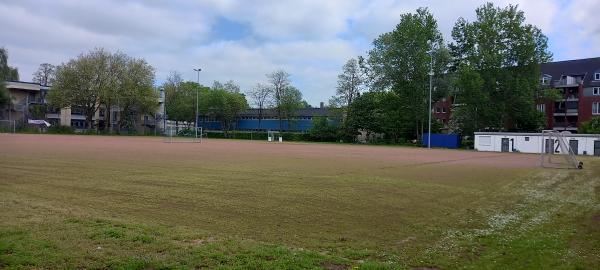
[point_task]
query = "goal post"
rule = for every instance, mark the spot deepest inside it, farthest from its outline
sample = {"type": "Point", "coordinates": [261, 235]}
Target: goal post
{"type": "Point", "coordinates": [555, 152]}
{"type": "Point", "coordinates": [182, 134]}
{"type": "Point", "coordinates": [274, 136]}
{"type": "Point", "coordinates": [8, 126]}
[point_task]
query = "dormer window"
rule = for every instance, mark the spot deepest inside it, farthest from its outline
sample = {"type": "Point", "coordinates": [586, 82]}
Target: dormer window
{"type": "Point", "coordinates": [597, 76]}
{"type": "Point", "coordinates": [546, 79]}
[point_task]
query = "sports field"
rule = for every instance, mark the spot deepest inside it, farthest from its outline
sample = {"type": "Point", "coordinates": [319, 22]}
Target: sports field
{"type": "Point", "coordinates": [139, 203]}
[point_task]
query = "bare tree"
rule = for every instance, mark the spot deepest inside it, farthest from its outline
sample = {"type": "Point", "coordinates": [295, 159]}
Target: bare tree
{"type": "Point", "coordinates": [279, 80]}
{"type": "Point", "coordinates": [260, 97]}
{"type": "Point", "coordinates": [349, 83]}
{"type": "Point", "coordinates": [45, 74]}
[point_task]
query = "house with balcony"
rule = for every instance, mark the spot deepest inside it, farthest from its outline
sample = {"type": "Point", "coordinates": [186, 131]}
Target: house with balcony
{"type": "Point", "coordinates": [578, 82]}
{"type": "Point", "coordinates": [25, 95]}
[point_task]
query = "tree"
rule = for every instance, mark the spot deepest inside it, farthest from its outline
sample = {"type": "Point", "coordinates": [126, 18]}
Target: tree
{"type": "Point", "coordinates": [364, 113]}
{"type": "Point", "coordinates": [322, 130]}
{"type": "Point", "coordinates": [401, 61]}
{"type": "Point", "coordinates": [45, 74]}
{"type": "Point", "coordinates": [280, 81]}
{"type": "Point", "coordinates": [136, 95]}
{"type": "Point", "coordinates": [503, 54]}
{"type": "Point", "coordinates": [290, 102]}
{"type": "Point", "coordinates": [7, 73]}
{"type": "Point", "coordinates": [260, 97]}
{"type": "Point", "coordinates": [224, 106]}
{"type": "Point", "coordinates": [350, 82]}
{"type": "Point", "coordinates": [100, 78]}
{"type": "Point", "coordinates": [590, 127]}
{"type": "Point", "coordinates": [180, 98]}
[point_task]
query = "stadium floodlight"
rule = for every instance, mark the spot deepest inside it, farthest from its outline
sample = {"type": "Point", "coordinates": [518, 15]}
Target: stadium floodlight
{"type": "Point", "coordinates": [197, 90]}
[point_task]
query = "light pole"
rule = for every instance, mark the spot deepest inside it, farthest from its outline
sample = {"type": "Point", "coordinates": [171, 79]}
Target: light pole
{"type": "Point", "coordinates": [197, 90]}
{"type": "Point", "coordinates": [430, 90]}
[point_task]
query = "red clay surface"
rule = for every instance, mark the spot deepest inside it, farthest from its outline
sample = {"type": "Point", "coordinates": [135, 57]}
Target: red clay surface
{"type": "Point", "coordinates": [144, 147]}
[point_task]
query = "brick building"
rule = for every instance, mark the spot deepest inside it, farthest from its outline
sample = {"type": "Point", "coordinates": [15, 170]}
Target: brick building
{"type": "Point", "coordinates": [578, 82]}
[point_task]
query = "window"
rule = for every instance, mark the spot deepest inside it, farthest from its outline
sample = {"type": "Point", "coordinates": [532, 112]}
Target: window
{"type": "Point", "coordinates": [485, 140]}
{"type": "Point", "coordinates": [541, 107]}
{"type": "Point", "coordinates": [545, 80]}
{"type": "Point", "coordinates": [526, 139]}
{"type": "Point", "coordinates": [596, 108]}
{"type": "Point", "coordinates": [597, 76]}
{"type": "Point", "coordinates": [596, 91]}
{"type": "Point", "coordinates": [443, 109]}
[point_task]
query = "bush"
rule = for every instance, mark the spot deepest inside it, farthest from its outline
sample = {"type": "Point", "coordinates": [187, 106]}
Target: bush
{"type": "Point", "coordinates": [323, 131]}
{"type": "Point", "coordinates": [590, 127]}
{"type": "Point", "coordinates": [58, 129]}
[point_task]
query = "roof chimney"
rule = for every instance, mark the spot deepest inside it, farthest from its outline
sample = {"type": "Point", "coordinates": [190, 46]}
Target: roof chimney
{"type": "Point", "coordinates": [322, 105]}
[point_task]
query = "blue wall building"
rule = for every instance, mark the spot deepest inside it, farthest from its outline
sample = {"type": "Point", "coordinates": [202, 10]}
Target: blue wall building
{"type": "Point", "coordinates": [249, 120]}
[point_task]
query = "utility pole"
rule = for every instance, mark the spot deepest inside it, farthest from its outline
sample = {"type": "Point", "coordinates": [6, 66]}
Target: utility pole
{"type": "Point", "coordinates": [197, 90]}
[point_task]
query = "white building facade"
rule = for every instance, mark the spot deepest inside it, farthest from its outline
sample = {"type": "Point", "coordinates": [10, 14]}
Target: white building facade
{"type": "Point", "coordinates": [582, 144]}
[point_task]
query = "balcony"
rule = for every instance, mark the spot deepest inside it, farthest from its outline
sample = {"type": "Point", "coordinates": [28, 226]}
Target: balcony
{"type": "Point", "coordinates": [568, 81]}
{"type": "Point", "coordinates": [565, 126]}
{"type": "Point", "coordinates": [37, 101]}
{"type": "Point", "coordinates": [566, 112]}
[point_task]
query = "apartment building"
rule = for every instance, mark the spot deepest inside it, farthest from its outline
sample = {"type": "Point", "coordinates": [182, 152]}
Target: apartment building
{"type": "Point", "coordinates": [579, 84]}
{"type": "Point", "coordinates": [25, 95]}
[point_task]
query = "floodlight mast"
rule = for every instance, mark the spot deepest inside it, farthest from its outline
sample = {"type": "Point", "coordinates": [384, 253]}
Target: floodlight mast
{"type": "Point", "coordinates": [197, 90]}
{"type": "Point", "coordinates": [431, 51]}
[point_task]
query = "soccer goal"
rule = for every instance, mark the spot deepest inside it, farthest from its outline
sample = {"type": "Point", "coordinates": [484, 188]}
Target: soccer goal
{"type": "Point", "coordinates": [556, 153]}
{"type": "Point", "coordinates": [182, 134]}
{"type": "Point", "coordinates": [8, 126]}
{"type": "Point", "coordinates": [274, 136]}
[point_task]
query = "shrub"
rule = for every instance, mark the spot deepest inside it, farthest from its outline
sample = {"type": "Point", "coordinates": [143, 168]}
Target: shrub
{"type": "Point", "coordinates": [58, 129]}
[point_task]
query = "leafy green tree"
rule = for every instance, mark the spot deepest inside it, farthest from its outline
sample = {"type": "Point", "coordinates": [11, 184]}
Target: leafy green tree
{"type": "Point", "coordinates": [137, 95]}
{"type": "Point", "coordinates": [38, 111]}
{"type": "Point", "coordinates": [180, 99]}
{"type": "Point", "coordinates": [400, 62]}
{"type": "Point", "coordinates": [100, 78]}
{"type": "Point", "coordinates": [322, 130]}
{"type": "Point", "coordinates": [590, 127]}
{"type": "Point", "coordinates": [224, 106]}
{"type": "Point", "coordinates": [503, 54]}
{"type": "Point", "coordinates": [291, 101]}
{"type": "Point", "coordinates": [7, 73]}
{"type": "Point", "coordinates": [365, 113]}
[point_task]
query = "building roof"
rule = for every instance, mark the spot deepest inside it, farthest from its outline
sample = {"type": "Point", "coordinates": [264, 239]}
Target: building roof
{"type": "Point", "coordinates": [533, 134]}
{"type": "Point", "coordinates": [18, 85]}
{"type": "Point", "coordinates": [301, 112]}
{"type": "Point", "coordinates": [579, 67]}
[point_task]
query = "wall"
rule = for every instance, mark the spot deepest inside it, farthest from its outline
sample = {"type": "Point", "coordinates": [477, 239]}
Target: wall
{"type": "Point", "coordinates": [265, 124]}
{"type": "Point", "coordinates": [530, 142]}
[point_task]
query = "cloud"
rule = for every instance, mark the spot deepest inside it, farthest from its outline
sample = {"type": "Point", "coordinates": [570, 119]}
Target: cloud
{"type": "Point", "coordinates": [244, 40]}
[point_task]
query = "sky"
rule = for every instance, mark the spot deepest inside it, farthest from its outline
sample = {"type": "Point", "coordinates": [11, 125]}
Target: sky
{"type": "Point", "coordinates": [245, 40]}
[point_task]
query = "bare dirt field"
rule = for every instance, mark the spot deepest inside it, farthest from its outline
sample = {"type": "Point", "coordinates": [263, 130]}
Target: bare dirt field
{"type": "Point", "coordinates": [138, 203]}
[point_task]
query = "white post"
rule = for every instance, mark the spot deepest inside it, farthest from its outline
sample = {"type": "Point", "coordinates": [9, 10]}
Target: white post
{"type": "Point", "coordinates": [430, 90]}
{"type": "Point", "coordinates": [197, 90]}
